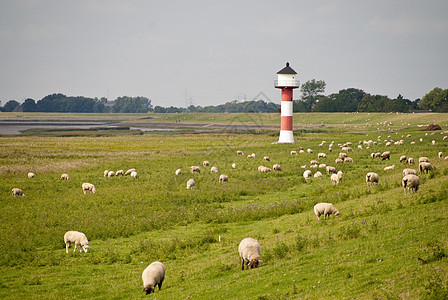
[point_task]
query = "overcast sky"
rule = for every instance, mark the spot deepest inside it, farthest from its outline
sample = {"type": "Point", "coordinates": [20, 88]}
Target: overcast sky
{"type": "Point", "coordinates": [210, 52]}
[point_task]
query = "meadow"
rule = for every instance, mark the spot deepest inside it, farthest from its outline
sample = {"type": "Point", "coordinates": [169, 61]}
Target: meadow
{"type": "Point", "coordinates": [383, 245]}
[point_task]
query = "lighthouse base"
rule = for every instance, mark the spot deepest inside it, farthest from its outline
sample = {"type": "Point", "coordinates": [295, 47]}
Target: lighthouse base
{"type": "Point", "coordinates": [286, 137]}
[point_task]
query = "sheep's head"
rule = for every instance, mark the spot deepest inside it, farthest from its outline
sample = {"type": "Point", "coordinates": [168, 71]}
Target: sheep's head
{"type": "Point", "coordinates": [149, 289]}
{"type": "Point", "coordinates": [86, 248]}
{"type": "Point", "coordinates": [253, 263]}
{"type": "Point", "coordinates": [336, 213]}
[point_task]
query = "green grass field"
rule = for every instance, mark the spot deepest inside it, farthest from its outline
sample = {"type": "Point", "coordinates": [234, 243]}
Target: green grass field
{"type": "Point", "coordinates": [384, 245]}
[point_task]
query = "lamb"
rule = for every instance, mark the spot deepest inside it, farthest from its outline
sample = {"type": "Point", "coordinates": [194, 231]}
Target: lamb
{"type": "Point", "coordinates": [195, 169]}
{"type": "Point", "coordinates": [17, 192]}
{"type": "Point", "coordinates": [239, 152]}
{"type": "Point", "coordinates": [277, 167]}
{"type": "Point", "coordinates": [330, 169]}
{"type": "Point", "coordinates": [134, 174]}
{"type": "Point", "coordinates": [111, 174]}
{"type": "Point", "coordinates": [206, 163]}
{"type": "Point", "coordinates": [128, 172]}
{"type": "Point", "coordinates": [178, 171]}
{"type": "Point", "coordinates": [307, 174]}
{"type": "Point", "coordinates": [77, 238]}
{"type": "Point", "coordinates": [223, 178]}
{"type": "Point", "coordinates": [410, 183]}
{"type": "Point", "coordinates": [249, 250]}
{"type": "Point", "coordinates": [423, 159]}
{"type": "Point", "coordinates": [65, 176]}
{"type": "Point", "coordinates": [325, 209]}
{"type": "Point", "coordinates": [31, 175]}
{"type": "Point", "coordinates": [388, 168]}
{"type": "Point", "coordinates": [153, 276]}
{"type": "Point", "coordinates": [214, 169]}
{"type": "Point", "coordinates": [403, 158]}
{"type": "Point", "coordinates": [88, 187]}
{"type": "Point", "coordinates": [318, 175]}
{"type": "Point", "coordinates": [409, 171]}
{"type": "Point", "coordinates": [267, 158]}
{"type": "Point", "coordinates": [385, 155]}
{"type": "Point", "coordinates": [190, 183]}
{"type": "Point", "coordinates": [425, 167]}
{"type": "Point", "coordinates": [321, 155]}
{"type": "Point", "coordinates": [119, 172]}
{"type": "Point", "coordinates": [372, 179]}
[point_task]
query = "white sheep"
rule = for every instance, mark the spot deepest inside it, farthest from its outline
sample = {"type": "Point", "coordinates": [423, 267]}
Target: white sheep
{"type": "Point", "coordinates": [330, 169]}
{"type": "Point", "coordinates": [111, 174]}
{"type": "Point", "coordinates": [106, 172]}
{"type": "Point", "coordinates": [321, 155]}
{"type": "Point", "coordinates": [31, 175]}
{"type": "Point", "coordinates": [119, 172]}
{"type": "Point", "coordinates": [423, 159]}
{"type": "Point", "coordinates": [348, 160]}
{"type": "Point", "coordinates": [267, 158]}
{"type": "Point", "coordinates": [17, 192]}
{"type": "Point", "coordinates": [190, 183]}
{"type": "Point", "coordinates": [206, 163]}
{"type": "Point", "coordinates": [325, 209]}
{"type": "Point", "coordinates": [88, 187]}
{"type": "Point", "coordinates": [77, 238]}
{"type": "Point", "coordinates": [410, 161]}
{"type": "Point", "coordinates": [403, 158]}
{"type": "Point", "coordinates": [338, 160]}
{"type": "Point", "coordinates": [195, 169]}
{"type": "Point", "coordinates": [134, 174]}
{"type": "Point", "coordinates": [385, 155]}
{"type": "Point", "coordinates": [214, 169]}
{"type": "Point", "coordinates": [409, 171]}
{"type": "Point", "coordinates": [277, 167]}
{"type": "Point", "coordinates": [425, 167]}
{"type": "Point", "coordinates": [314, 162]}
{"type": "Point", "coordinates": [388, 168]}
{"type": "Point", "coordinates": [65, 176]}
{"type": "Point", "coordinates": [251, 155]}
{"type": "Point", "coordinates": [307, 174]}
{"type": "Point", "coordinates": [309, 151]}
{"type": "Point", "coordinates": [336, 178]}
{"type": "Point", "coordinates": [318, 175]}
{"type": "Point", "coordinates": [239, 152]}
{"type": "Point", "coordinates": [264, 169]}
{"type": "Point", "coordinates": [322, 166]}
{"type": "Point", "coordinates": [233, 165]}
{"type": "Point", "coordinates": [249, 251]}
{"type": "Point", "coordinates": [178, 171]}
{"type": "Point", "coordinates": [223, 178]}
{"type": "Point", "coordinates": [293, 152]}
{"type": "Point", "coordinates": [440, 154]}
{"type": "Point", "coordinates": [372, 179]}
{"type": "Point", "coordinates": [410, 183]}
{"type": "Point", "coordinates": [128, 172]}
{"type": "Point", "coordinates": [153, 276]}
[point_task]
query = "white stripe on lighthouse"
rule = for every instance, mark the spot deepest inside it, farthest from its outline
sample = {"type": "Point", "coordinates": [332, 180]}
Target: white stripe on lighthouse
{"type": "Point", "coordinates": [286, 108]}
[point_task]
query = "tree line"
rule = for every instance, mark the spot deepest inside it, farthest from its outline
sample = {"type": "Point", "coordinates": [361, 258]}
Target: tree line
{"type": "Point", "coordinates": [311, 100]}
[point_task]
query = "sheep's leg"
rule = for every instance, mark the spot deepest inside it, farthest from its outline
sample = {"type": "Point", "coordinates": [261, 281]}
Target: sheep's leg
{"type": "Point", "coordinates": [242, 264]}
{"type": "Point", "coordinates": [160, 284]}
{"type": "Point", "coordinates": [75, 248]}
{"type": "Point", "coordinates": [67, 245]}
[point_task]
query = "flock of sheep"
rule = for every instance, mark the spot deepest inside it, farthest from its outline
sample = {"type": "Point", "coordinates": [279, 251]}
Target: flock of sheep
{"type": "Point", "coordinates": [249, 249]}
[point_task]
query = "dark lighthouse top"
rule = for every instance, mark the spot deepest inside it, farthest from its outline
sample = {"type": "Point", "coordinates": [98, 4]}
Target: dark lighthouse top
{"type": "Point", "coordinates": [287, 70]}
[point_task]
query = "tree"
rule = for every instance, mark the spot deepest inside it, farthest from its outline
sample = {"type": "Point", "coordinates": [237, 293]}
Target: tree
{"type": "Point", "coordinates": [132, 105]}
{"type": "Point", "coordinates": [311, 91]}
{"type": "Point", "coordinates": [11, 105]}
{"type": "Point", "coordinates": [436, 100]}
{"type": "Point", "coordinates": [29, 105]}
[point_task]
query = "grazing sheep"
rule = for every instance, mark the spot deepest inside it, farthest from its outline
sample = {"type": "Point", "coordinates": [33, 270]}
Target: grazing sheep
{"type": "Point", "coordinates": [128, 172]}
{"type": "Point", "coordinates": [234, 165]}
{"type": "Point", "coordinates": [266, 158]}
{"type": "Point", "coordinates": [178, 171]}
{"type": "Point", "coordinates": [77, 238]}
{"type": "Point", "coordinates": [325, 209]}
{"type": "Point", "coordinates": [330, 169]}
{"type": "Point", "coordinates": [440, 154]}
{"type": "Point", "coordinates": [372, 179]}
{"type": "Point", "coordinates": [239, 152]}
{"type": "Point", "coordinates": [31, 175]}
{"type": "Point", "coordinates": [385, 155]}
{"type": "Point", "coordinates": [377, 155]}
{"type": "Point", "coordinates": [190, 183]}
{"type": "Point", "coordinates": [433, 142]}
{"type": "Point", "coordinates": [409, 171]}
{"type": "Point", "coordinates": [339, 161]}
{"type": "Point", "coordinates": [88, 187]}
{"type": "Point", "coordinates": [348, 160]}
{"type": "Point", "coordinates": [223, 178]}
{"type": "Point", "coordinates": [410, 161]}
{"type": "Point", "coordinates": [214, 169]}
{"type": "Point", "coordinates": [106, 172]}
{"type": "Point", "coordinates": [389, 168]}
{"type": "Point", "coordinates": [301, 151]}
{"type": "Point", "coordinates": [65, 176]}
{"type": "Point", "coordinates": [314, 162]}
{"type": "Point", "coordinates": [206, 163]}
{"type": "Point", "coordinates": [373, 155]}
{"type": "Point", "coordinates": [195, 169]}
{"type": "Point", "coordinates": [423, 159]}
{"type": "Point", "coordinates": [153, 276]}
{"type": "Point", "coordinates": [347, 149]}
{"type": "Point", "coordinates": [403, 158]}
{"type": "Point", "coordinates": [309, 151]}
{"type": "Point", "coordinates": [119, 172]}
{"type": "Point", "coordinates": [17, 192]}
{"type": "Point", "coordinates": [249, 250]}
{"type": "Point", "coordinates": [410, 183]}
{"type": "Point", "coordinates": [322, 166]}
{"type": "Point", "coordinates": [339, 173]}
{"type": "Point", "coordinates": [111, 174]}
{"type": "Point", "coordinates": [251, 155]}
{"type": "Point", "coordinates": [425, 167]}
{"type": "Point", "coordinates": [307, 174]}
{"type": "Point", "coordinates": [264, 169]}
{"type": "Point", "coordinates": [318, 175]}
{"type": "Point", "coordinates": [293, 152]}
{"type": "Point", "coordinates": [334, 178]}
{"type": "Point", "coordinates": [277, 167]}
{"type": "Point", "coordinates": [321, 155]}
{"type": "Point", "coordinates": [342, 155]}
{"type": "Point", "coordinates": [134, 174]}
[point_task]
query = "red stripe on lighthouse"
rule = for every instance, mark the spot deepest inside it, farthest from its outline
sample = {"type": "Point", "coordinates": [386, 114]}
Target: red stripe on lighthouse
{"type": "Point", "coordinates": [286, 123]}
{"type": "Point", "coordinates": [286, 94]}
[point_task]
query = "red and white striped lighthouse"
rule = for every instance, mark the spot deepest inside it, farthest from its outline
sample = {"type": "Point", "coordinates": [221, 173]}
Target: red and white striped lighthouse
{"type": "Point", "coordinates": [286, 81]}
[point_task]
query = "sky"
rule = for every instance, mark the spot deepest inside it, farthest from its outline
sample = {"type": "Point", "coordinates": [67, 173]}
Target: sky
{"type": "Point", "coordinates": [178, 53]}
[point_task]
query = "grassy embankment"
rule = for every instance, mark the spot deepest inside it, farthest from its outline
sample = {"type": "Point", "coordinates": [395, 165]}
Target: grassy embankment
{"type": "Point", "coordinates": [383, 244]}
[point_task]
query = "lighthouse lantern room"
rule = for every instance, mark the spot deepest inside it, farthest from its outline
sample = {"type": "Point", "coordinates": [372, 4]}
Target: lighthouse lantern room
{"type": "Point", "coordinates": [286, 81]}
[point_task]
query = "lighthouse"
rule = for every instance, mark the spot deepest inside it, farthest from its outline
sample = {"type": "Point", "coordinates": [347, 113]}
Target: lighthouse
{"type": "Point", "coordinates": [286, 81]}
